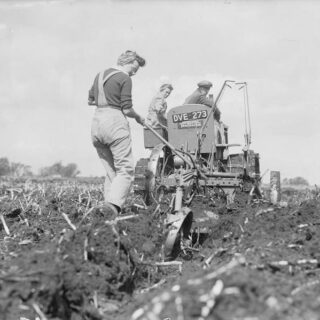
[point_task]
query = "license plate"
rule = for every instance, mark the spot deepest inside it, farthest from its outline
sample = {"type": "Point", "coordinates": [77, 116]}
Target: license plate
{"type": "Point", "coordinates": [190, 124]}
{"type": "Point", "coordinates": [189, 116]}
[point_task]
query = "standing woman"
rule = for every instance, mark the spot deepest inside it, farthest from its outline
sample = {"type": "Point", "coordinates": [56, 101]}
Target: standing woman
{"type": "Point", "coordinates": [157, 110]}
{"type": "Point", "coordinates": [110, 131]}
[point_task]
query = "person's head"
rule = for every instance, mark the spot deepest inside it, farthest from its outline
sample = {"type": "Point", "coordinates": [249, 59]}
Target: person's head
{"type": "Point", "coordinates": [166, 89]}
{"type": "Point", "coordinates": [204, 86]}
{"type": "Point", "coordinates": [130, 62]}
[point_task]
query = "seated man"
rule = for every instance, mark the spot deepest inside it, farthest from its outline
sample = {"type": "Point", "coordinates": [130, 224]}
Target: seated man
{"type": "Point", "coordinates": [199, 96]}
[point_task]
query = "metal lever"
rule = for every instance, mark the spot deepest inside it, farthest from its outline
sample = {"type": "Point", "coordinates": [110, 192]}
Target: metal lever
{"type": "Point", "coordinates": [173, 149]}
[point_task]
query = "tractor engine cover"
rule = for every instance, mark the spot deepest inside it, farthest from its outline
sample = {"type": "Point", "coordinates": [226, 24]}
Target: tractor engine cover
{"type": "Point", "coordinates": [184, 125]}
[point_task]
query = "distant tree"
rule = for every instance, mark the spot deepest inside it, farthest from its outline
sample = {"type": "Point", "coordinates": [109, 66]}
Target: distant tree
{"type": "Point", "coordinates": [43, 172]}
{"type": "Point", "coordinates": [57, 169]}
{"type": "Point", "coordinates": [4, 167]}
{"type": "Point", "coordinates": [70, 170]}
{"type": "Point", "coordinates": [299, 181]}
{"type": "Point", "coordinates": [296, 181]}
{"type": "Point", "coordinates": [18, 169]}
{"type": "Point", "coordinates": [15, 169]}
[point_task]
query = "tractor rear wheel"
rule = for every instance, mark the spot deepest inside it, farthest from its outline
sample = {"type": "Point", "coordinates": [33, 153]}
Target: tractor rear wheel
{"type": "Point", "coordinates": [140, 172]}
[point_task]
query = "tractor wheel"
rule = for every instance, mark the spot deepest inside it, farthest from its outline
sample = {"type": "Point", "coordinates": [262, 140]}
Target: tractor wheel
{"type": "Point", "coordinates": [139, 184]}
{"type": "Point", "coordinates": [158, 167]}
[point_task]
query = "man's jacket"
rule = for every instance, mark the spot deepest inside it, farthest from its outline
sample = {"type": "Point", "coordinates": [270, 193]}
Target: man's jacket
{"type": "Point", "coordinates": [199, 98]}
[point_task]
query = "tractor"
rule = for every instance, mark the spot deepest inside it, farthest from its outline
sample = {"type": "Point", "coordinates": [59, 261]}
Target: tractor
{"type": "Point", "coordinates": [191, 159]}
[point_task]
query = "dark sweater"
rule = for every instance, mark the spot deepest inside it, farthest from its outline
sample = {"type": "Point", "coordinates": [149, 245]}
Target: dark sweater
{"type": "Point", "coordinates": [117, 90]}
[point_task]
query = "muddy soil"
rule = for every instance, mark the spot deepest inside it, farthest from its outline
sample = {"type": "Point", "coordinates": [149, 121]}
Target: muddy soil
{"type": "Point", "coordinates": [63, 258]}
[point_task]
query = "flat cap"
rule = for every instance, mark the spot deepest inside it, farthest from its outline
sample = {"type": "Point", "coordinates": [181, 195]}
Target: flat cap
{"type": "Point", "coordinates": [205, 84]}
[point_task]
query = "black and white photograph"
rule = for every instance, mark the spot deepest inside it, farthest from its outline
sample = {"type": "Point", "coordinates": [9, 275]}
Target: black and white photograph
{"type": "Point", "coordinates": [159, 160]}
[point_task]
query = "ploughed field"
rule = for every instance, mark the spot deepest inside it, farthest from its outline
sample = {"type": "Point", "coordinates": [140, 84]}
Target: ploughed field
{"type": "Point", "coordinates": [60, 258]}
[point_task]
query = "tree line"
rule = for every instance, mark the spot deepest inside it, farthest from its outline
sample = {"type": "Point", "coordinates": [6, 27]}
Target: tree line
{"type": "Point", "coordinates": [16, 169]}
{"type": "Point", "coordinates": [297, 181]}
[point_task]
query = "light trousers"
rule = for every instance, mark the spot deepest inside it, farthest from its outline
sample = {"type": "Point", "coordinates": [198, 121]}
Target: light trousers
{"type": "Point", "coordinates": [110, 133]}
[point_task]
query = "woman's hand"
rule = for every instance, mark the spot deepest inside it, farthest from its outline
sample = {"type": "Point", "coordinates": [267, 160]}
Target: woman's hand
{"type": "Point", "coordinates": [141, 120]}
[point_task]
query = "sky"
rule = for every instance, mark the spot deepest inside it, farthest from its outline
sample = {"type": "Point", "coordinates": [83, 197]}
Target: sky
{"type": "Point", "coordinates": [50, 52]}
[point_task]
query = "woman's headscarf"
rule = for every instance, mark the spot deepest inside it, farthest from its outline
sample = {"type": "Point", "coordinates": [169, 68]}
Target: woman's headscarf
{"type": "Point", "coordinates": [166, 85]}
{"type": "Point", "coordinates": [130, 56]}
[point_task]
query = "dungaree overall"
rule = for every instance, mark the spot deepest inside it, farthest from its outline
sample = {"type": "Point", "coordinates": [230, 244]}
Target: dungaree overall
{"type": "Point", "coordinates": [110, 133]}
